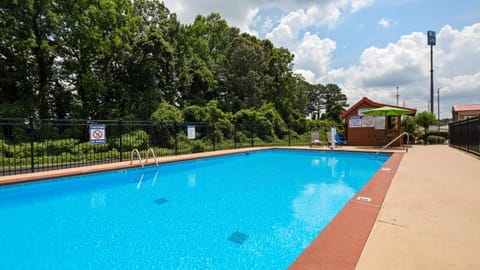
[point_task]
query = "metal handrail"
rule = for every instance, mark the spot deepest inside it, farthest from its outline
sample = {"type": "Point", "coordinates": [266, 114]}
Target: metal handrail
{"type": "Point", "coordinates": [153, 155]}
{"type": "Point", "coordinates": [392, 141]}
{"type": "Point", "coordinates": [138, 155]}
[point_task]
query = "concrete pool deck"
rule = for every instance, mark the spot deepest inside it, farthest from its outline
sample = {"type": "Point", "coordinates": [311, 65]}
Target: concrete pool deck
{"type": "Point", "coordinates": [429, 219]}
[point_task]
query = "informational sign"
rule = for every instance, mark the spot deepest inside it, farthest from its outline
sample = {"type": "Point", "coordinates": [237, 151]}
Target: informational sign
{"type": "Point", "coordinates": [363, 121]}
{"type": "Point", "coordinates": [191, 132]}
{"type": "Point", "coordinates": [97, 134]}
{"type": "Point", "coordinates": [368, 121]}
{"type": "Point", "coordinates": [355, 121]}
{"type": "Point", "coordinates": [431, 38]}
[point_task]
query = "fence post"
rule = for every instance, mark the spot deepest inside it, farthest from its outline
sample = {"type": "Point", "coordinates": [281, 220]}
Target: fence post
{"type": "Point", "coordinates": [467, 139]}
{"type": "Point", "coordinates": [120, 132]}
{"type": "Point", "coordinates": [288, 126]}
{"type": "Point", "coordinates": [214, 138]}
{"type": "Point", "coordinates": [235, 136]}
{"type": "Point", "coordinates": [175, 137]}
{"type": "Point", "coordinates": [251, 138]}
{"type": "Point", "coordinates": [32, 138]}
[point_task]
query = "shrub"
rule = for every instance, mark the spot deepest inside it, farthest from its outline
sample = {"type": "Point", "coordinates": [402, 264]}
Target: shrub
{"type": "Point", "coordinates": [73, 132]}
{"type": "Point", "coordinates": [39, 148]}
{"type": "Point", "coordinates": [133, 139]}
{"type": "Point", "coordinates": [20, 134]}
{"type": "Point", "coordinates": [46, 132]}
{"type": "Point", "coordinates": [432, 139]}
{"type": "Point", "coordinates": [57, 147]}
{"type": "Point", "coordinates": [198, 146]}
{"type": "Point", "coordinates": [443, 134]}
{"type": "Point", "coordinates": [241, 137]}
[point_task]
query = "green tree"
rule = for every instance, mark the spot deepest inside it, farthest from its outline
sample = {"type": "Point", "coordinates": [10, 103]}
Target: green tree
{"type": "Point", "coordinates": [95, 42]}
{"type": "Point", "coordinates": [195, 113]}
{"type": "Point", "coordinates": [425, 119]}
{"type": "Point", "coordinates": [167, 113]}
{"type": "Point", "coordinates": [152, 66]}
{"type": "Point", "coordinates": [335, 102]}
{"type": "Point", "coordinates": [249, 121]}
{"type": "Point", "coordinates": [409, 125]}
{"type": "Point", "coordinates": [27, 53]}
{"type": "Point", "coordinates": [203, 51]}
{"type": "Point", "coordinates": [245, 80]}
{"type": "Point", "coordinates": [315, 103]}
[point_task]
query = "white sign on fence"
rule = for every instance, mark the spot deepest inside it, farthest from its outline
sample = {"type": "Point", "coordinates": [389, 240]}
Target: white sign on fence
{"type": "Point", "coordinates": [97, 134]}
{"type": "Point", "coordinates": [191, 132]}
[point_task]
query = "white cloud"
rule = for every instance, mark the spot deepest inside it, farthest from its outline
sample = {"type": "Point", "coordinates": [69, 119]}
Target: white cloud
{"type": "Point", "coordinates": [356, 5]}
{"type": "Point", "coordinates": [385, 23]}
{"type": "Point", "coordinates": [236, 12]}
{"type": "Point", "coordinates": [314, 54]}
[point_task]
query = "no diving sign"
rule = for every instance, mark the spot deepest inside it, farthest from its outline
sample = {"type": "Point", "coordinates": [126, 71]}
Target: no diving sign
{"type": "Point", "coordinates": [97, 134]}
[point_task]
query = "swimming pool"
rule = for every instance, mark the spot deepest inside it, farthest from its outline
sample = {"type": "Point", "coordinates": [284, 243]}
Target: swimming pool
{"type": "Point", "coordinates": [258, 210]}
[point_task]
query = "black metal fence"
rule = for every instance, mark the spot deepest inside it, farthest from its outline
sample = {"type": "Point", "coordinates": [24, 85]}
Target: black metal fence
{"type": "Point", "coordinates": [31, 145]}
{"type": "Point", "coordinates": [465, 135]}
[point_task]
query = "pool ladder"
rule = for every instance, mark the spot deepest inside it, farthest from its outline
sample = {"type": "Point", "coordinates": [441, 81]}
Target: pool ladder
{"type": "Point", "coordinates": [135, 151]}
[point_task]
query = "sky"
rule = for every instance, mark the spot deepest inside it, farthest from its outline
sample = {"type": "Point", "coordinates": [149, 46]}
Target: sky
{"type": "Point", "coordinates": [370, 48]}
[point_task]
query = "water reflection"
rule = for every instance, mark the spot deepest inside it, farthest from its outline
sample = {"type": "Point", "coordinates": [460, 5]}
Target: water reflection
{"type": "Point", "coordinates": [192, 180]}
{"type": "Point", "coordinates": [318, 203]}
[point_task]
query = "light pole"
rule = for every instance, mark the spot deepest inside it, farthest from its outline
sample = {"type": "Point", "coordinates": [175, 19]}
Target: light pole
{"type": "Point", "coordinates": [397, 95]}
{"type": "Point", "coordinates": [438, 102]}
{"type": "Point", "coordinates": [431, 40]}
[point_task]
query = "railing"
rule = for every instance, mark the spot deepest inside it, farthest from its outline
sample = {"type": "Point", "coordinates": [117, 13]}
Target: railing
{"type": "Point", "coordinates": [153, 155]}
{"type": "Point", "coordinates": [396, 138]}
{"type": "Point", "coordinates": [33, 145]}
{"type": "Point", "coordinates": [465, 135]}
{"type": "Point", "coordinates": [135, 151]}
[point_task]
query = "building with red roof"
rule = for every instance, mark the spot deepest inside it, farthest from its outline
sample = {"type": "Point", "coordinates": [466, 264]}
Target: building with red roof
{"type": "Point", "coordinates": [365, 130]}
{"type": "Point", "coordinates": [460, 112]}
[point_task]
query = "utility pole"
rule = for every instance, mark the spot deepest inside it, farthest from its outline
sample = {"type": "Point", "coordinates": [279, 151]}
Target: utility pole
{"type": "Point", "coordinates": [431, 40]}
{"type": "Point", "coordinates": [397, 95]}
{"type": "Point", "coordinates": [438, 103]}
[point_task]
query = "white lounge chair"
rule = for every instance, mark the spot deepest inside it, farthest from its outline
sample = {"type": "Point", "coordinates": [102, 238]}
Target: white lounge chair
{"type": "Point", "coordinates": [315, 139]}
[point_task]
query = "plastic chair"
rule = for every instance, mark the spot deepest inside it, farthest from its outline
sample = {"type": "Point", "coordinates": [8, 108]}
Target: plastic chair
{"type": "Point", "coordinates": [315, 139]}
{"type": "Point", "coordinates": [339, 140]}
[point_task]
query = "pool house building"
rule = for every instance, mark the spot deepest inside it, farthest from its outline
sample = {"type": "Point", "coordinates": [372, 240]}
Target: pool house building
{"type": "Point", "coordinates": [367, 130]}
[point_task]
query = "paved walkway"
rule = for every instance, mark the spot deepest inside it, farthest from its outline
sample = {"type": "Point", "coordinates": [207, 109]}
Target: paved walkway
{"type": "Point", "coordinates": [430, 218]}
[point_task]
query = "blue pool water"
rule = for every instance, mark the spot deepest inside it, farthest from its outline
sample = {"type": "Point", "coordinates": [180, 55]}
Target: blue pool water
{"type": "Point", "coordinates": [244, 211]}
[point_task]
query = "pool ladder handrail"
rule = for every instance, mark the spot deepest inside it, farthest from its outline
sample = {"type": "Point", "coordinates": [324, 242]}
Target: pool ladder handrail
{"type": "Point", "coordinates": [135, 150]}
{"type": "Point", "coordinates": [153, 155]}
{"type": "Point", "coordinates": [392, 141]}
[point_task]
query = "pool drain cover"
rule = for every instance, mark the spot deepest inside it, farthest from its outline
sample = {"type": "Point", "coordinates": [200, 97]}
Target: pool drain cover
{"type": "Point", "coordinates": [238, 237]}
{"type": "Point", "coordinates": [161, 201]}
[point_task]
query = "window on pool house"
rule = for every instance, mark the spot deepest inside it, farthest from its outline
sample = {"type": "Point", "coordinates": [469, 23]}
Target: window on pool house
{"type": "Point", "coordinates": [392, 122]}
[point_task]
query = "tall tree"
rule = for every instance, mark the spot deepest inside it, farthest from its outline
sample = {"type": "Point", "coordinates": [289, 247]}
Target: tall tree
{"type": "Point", "coordinates": [247, 68]}
{"type": "Point", "coordinates": [27, 49]}
{"type": "Point", "coordinates": [335, 102]}
{"type": "Point", "coordinates": [208, 39]}
{"type": "Point", "coordinates": [316, 102]}
{"type": "Point", "coordinates": [96, 40]}
{"type": "Point", "coordinates": [151, 69]}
